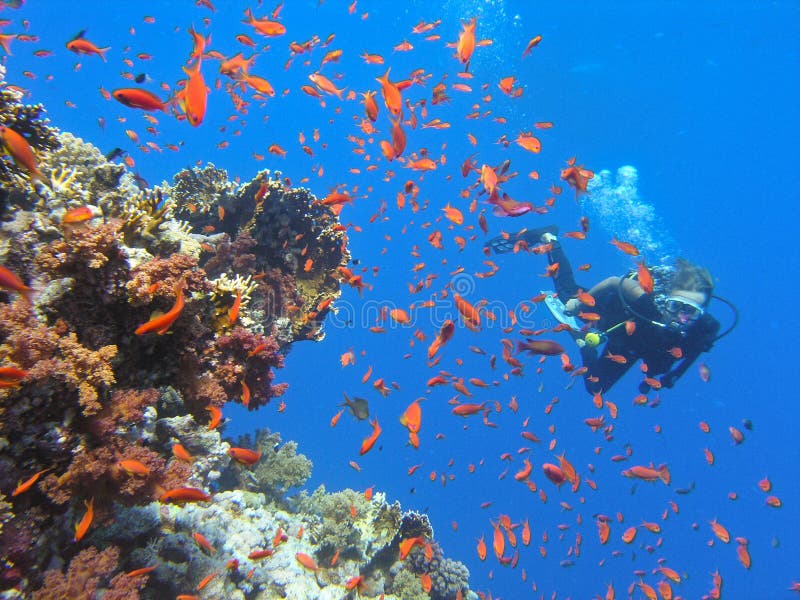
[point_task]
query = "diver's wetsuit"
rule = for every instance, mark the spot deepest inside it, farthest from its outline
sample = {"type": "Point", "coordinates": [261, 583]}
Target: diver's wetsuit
{"type": "Point", "coordinates": [649, 342]}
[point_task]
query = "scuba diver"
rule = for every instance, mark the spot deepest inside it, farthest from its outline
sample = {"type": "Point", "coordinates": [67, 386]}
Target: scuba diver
{"type": "Point", "coordinates": [668, 325]}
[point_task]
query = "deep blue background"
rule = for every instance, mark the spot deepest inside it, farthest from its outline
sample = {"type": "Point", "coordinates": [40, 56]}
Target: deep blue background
{"type": "Point", "coordinates": [701, 99]}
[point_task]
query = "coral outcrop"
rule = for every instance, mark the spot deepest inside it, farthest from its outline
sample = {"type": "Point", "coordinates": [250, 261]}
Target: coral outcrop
{"type": "Point", "coordinates": [147, 313]}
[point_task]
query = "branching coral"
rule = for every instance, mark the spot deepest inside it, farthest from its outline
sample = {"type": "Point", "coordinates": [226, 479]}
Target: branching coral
{"type": "Point", "coordinates": [280, 468]}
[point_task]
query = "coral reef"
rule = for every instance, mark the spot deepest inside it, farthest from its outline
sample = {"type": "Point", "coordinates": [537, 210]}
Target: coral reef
{"type": "Point", "coordinates": [144, 318]}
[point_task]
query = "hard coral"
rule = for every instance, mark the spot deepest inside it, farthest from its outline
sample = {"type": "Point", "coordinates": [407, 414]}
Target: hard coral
{"type": "Point", "coordinates": [280, 468]}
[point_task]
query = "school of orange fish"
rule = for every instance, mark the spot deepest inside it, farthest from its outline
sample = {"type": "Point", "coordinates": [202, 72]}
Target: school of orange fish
{"type": "Point", "coordinates": [386, 123]}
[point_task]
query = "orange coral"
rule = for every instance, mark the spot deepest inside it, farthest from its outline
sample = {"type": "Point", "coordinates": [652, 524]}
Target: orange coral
{"type": "Point", "coordinates": [86, 572]}
{"type": "Point", "coordinates": [163, 274]}
{"type": "Point", "coordinates": [54, 353]}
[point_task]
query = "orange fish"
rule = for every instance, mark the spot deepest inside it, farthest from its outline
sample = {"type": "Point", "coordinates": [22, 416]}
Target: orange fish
{"type": "Point", "coordinates": [24, 486]}
{"type": "Point", "coordinates": [184, 494]}
{"type": "Point", "coordinates": [80, 45]}
{"type": "Point", "coordinates": [10, 281]}
{"type": "Point", "coordinates": [203, 543]}
{"type": "Point", "coordinates": [369, 442]}
{"type": "Point", "coordinates": [245, 456]}
{"type": "Point", "coordinates": [82, 526]}
{"type": "Point", "coordinates": [142, 571]}
{"type": "Point", "coordinates": [370, 107]}
{"type": "Point", "coordinates": [481, 548]}
{"type": "Point", "coordinates": [264, 26]}
{"type": "Point", "coordinates": [139, 98]}
{"type": "Point", "coordinates": [306, 561]}
{"type": "Point", "coordinates": [470, 314]}
{"type": "Point", "coordinates": [466, 42]}
{"type": "Point", "coordinates": [134, 467]}
{"type": "Point", "coordinates": [326, 85]}
{"type": "Point", "coordinates": [577, 177]}
{"type": "Point", "coordinates": [720, 531]}
{"type": "Point", "coordinates": [644, 277]}
{"type": "Point", "coordinates": [233, 311]}
{"type": "Point", "coordinates": [216, 417]}
{"type": "Point", "coordinates": [648, 473]}
{"type": "Point", "coordinates": [193, 98]}
{"type": "Point", "coordinates": [162, 323]}
{"type": "Point", "coordinates": [21, 152]}
{"type": "Point", "coordinates": [77, 215]}
{"type": "Point", "coordinates": [181, 453]}
{"type": "Point", "coordinates": [408, 544]}
{"type": "Point", "coordinates": [391, 95]}
{"type": "Point", "coordinates": [453, 214]}
{"type": "Point", "coordinates": [625, 247]}
{"type": "Point", "coordinates": [412, 417]}
{"type": "Point", "coordinates": [466, 409]}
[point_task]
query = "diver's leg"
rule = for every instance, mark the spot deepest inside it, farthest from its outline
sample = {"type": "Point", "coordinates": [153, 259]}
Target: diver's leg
{"type": "Point", "coordinates": [604, 371]}
{"type": "Point", "coordinates": [563, 278]}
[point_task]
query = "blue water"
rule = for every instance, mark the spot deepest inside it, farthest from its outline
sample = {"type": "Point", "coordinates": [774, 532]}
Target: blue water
{"type": "Point", "coordinates": [700, 99]}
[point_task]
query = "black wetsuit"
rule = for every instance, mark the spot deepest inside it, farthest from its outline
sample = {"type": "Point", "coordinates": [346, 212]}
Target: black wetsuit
{"type": "Point", "coordinates": [649, 342]}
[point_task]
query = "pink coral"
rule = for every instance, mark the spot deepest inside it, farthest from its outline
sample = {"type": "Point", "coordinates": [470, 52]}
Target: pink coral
{"type": "Point", "coordinates": [235, 364]}
{"type": "Point", "coordinates": [162, 274]}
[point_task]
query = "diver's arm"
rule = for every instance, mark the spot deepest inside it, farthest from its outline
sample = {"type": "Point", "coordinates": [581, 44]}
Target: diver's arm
{"type": "Point", "coordinates": [703, 344]}
{"type": "Point", "coordinates": [606, 287]}
{"type": "Point", "coordinates": [600, 292]}
{"type": "Point", "coordinates": [668, 379]}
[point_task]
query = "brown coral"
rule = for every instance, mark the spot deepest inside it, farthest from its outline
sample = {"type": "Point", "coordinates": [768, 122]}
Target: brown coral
{"type": "Point", "coordinates": [86, 572]}
{"type": "Point", "coordinates": [85, 248]}
{"type": "Point", "coordinates": [163, 274]}
{"type": "Point", "coordinates": [54, 353]}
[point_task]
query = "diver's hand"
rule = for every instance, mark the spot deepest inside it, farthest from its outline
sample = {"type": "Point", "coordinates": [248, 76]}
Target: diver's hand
{"type": "Point", "coordinates": [572, 307]}
{"type": "Point", "coordinates": [644, 387]}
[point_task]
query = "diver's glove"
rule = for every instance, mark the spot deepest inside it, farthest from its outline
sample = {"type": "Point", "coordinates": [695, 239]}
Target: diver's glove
{"type": "Point", "coordinates": [644, 387]}
{"type": "Point", "coordinates": [668, 380]}
{"type": "Point", "coordinates": [572, 307]}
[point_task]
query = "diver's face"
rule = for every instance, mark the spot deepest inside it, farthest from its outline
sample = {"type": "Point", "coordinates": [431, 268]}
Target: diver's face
{"type": "Point", "coordinates": [685, 307]}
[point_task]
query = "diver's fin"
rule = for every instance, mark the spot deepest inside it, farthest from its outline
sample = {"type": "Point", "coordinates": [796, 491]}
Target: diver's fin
{"type": "Point", "coordinates": [501, 245]}
{"type": "Point", "coordinates": [556, 308]}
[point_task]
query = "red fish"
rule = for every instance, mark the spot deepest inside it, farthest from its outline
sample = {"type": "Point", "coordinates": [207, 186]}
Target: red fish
{"type": "Point", "coordinates": [264, 26]}
{"type": "Point", "coordinates": [625, 247]}
{"type": "Point", "coordinates": [9, 281]}
{"type": "Point", "coordinates": [21, 152]}
{"type": "Point", "coordinates": [184, 494]}
{"type": "Point", "coordinates": [82, 526]}
{"type": "Point", "coordinates": [369, 442]}
{"type": "Point", "coordinates": [139, 98]}
{"type": "Point", "coordinates": [466, 409]}
{"type": "Point", "coordinates": [391, 95]}
{"type": "Point", "coordinates": [80, 45]}
{"type": "Point", "coordinates": [162, 324]}
{"type": "Point", "coordinates": [245, 456]}
{"type": "Point", "coordinates": [193, 98]}
{"type": "Point", "coordinates": [543, 347]}
{"type": "Point", "coordinates": [466, 42]}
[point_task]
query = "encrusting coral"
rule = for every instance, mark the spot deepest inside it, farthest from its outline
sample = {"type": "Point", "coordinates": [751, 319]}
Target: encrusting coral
{"type": "Point", "coordinates": [145, 319]}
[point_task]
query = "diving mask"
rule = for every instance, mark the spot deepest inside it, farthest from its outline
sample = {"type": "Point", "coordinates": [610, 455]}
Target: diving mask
{"type": "Point", "coordinates": [685, 310]}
